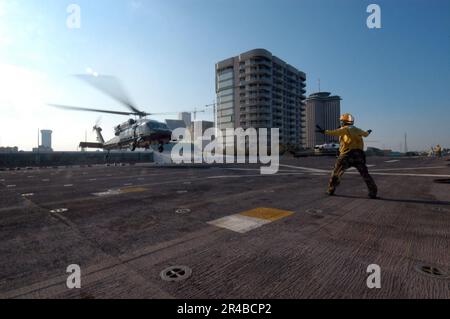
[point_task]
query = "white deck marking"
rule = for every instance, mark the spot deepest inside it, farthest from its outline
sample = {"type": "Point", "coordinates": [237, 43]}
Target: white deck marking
{"type": "Point", "coordinates": [257, 169]}
{"type": "Point", "coordinates": [406, 168]}
{"type": "Point", "coordinates": [110, 192]}
{"type": "Point", "coordinates": [250, 219]}
{"type": "Point", "coordinates": [239, 223]}
{"type": "Point", "coordinates": [406, 174]}
{"type": "Point", "coordinates": [259, 175]}
{"type": "Point", "coordinates": [392, 161]}
{"type": "Point", "coordinates": [377, 170]}
{"type": "Point", "coordinates": [315, 170]}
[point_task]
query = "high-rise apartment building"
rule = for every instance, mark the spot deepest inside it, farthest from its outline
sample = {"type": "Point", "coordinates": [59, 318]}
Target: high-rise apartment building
{"type": "Point", "coordinates": [46, 138]}
{"type": "Point", "coordinates": [46, 142]}
{"type": "Point", "coordinates": [322, 109]}
{"type": "Point", "coordinates": [257, 89]}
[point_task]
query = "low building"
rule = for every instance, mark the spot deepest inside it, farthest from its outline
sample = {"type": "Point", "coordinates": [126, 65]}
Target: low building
{"type": "Point", "coordinates": [42, 149]}
{"type": "Point", "coordinates": [186, 118]}
{"type": "Point", "coordinates": [175, 124]}
{"type": "Point", "coordinates": [8, 149]}
{"type": "Point", "coordinates": [198, 128]}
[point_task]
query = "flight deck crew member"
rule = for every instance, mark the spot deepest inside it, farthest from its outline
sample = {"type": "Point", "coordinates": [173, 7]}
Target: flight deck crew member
{"type": "Point", "coordinates": [351, 154]}
{"type": "Point", "coordinates": [438, 151]}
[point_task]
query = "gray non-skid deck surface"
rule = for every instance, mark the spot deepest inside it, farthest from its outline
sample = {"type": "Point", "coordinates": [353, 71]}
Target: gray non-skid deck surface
{"type": "Point", "coordinates": [122, 242]}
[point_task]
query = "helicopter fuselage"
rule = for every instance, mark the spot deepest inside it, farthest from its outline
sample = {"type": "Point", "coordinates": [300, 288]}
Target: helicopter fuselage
{"type": "Point", "coordinates": [140, 133]}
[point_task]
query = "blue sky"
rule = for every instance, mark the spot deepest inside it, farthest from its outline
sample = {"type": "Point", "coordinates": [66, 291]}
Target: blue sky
{"type": "Point", "coordinates": [394, 80]}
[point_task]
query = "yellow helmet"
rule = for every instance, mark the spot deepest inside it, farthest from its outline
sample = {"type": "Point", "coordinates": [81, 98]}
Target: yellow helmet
{"type": "Point", "coordinates": [347, 119]}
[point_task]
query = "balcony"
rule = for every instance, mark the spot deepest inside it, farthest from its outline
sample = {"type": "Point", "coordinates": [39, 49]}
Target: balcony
{"type": "Point", "coordinates": [253, 63]}
{"type": "Point", "coordinates": [259, 95]}
{"type": "Point", "coordinates": [260, 118]}
{"type": "Point", "coordinates": [259, 104]}
{"type": "Point", "coordinates": [259, 80]}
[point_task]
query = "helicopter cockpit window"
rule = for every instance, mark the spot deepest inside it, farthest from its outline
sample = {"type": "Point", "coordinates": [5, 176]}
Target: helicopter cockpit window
{"type": "Point", "coordinates": [157, 126]}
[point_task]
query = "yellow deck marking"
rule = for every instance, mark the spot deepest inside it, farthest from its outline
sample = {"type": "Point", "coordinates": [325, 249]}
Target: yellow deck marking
{"type": "Point", "coordinates": [133, 190]}
{"type": "Point", "coordinates": [251, 219]}
{"type": "Point", "coordinates": [271, 214]}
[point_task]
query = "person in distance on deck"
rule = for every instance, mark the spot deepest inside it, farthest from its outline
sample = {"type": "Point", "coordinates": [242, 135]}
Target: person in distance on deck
{"type": "Point", "coordinates": [438, 151]}
{"type": "Point", "coordinates": [351, 154]}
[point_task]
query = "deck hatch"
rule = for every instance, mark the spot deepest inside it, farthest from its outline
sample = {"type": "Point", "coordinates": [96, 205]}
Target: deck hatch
{"type": "Point", "coordinates": [432, 271]}
{"type": "Point", "coordinates": [182, 211]}
{"type": "Point", "coordinates": [176, 273]}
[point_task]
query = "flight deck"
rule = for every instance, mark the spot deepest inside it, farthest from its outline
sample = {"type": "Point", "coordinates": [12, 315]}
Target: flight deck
{"type": "Point", "coordinates": [226, 231]}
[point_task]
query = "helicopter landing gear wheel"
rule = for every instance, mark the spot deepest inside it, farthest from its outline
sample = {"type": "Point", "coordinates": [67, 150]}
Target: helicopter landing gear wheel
{"type": "Point", "coordinates": [161, 148]}
{"type": "Point", "coordinates": [136, 143]}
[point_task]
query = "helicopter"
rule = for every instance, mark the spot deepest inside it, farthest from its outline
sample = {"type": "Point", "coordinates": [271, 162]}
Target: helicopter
{"type": "Point", "coordinates": [139, 132]}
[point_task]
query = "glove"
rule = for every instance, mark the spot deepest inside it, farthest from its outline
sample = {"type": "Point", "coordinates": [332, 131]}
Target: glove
{"type": "Point", "coordinates": [320, 130]}
{"type": "Point", "coordinates": [369, 131]}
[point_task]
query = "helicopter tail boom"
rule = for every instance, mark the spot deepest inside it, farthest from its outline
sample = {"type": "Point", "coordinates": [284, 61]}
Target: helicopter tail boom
{"type": "Point", "coordinates": [98, 131]}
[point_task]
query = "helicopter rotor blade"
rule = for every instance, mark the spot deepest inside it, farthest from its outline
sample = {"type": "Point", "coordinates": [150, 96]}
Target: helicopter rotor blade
{"type": "Point", "coordinates": [156, 114]}
{"type": "Point", "coordinates": [112, 87]}
{"type": "Point", "coordinates": [85, 109]}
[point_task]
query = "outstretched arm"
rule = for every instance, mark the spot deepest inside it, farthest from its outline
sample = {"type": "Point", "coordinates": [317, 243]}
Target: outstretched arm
{"type": "Point", "coordinates": [339, 132]}
{"type": "Point", "coordinates": [365, 133]}
{"type": "Point", "coordinates": [320, 130]}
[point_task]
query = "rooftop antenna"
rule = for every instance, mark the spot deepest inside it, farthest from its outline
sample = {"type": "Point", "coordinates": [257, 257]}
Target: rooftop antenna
{"type": "Point", "coordinates": [318, 82]}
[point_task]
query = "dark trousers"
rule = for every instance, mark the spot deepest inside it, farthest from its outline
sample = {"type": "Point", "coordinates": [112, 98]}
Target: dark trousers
{"type": "Point", "coordinates": [357, 159]}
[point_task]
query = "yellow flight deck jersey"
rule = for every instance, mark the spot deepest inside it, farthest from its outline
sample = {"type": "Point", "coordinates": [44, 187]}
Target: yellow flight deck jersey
{"type": "Point", "coordinates": [350, 138]}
